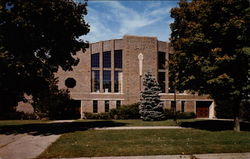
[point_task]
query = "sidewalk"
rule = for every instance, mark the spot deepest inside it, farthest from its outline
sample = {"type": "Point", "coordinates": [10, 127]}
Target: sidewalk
{"type": "Point", "coordinates": [24, 146]}
{"type": "Point", "coordinates": [139, 127]}
{"type": "Point", "coordinates": [195, 156]}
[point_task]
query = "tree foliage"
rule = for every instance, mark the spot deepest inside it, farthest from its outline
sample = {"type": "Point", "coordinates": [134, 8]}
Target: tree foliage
{"type": "Point", "coordinates": [36, 37]}
{"type": "Point", "coordinates": [212, 49]}
{"type": "Point", "coordinates": [151, 108]}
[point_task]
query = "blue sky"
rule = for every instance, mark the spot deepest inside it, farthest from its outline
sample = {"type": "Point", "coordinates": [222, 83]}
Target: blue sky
{"type": "Point", "coordinates": [113, 19]}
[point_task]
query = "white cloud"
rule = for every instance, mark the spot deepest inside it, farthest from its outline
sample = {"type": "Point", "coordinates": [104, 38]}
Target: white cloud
{"type": "Point", "coordinates": [117, 19]}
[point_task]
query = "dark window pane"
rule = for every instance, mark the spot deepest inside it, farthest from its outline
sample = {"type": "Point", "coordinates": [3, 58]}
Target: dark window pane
{"type": "Point", "coordinates": [173, 105]}
{"type": "Point", "coordinates": [118, 58]}
{"type": "Point", "coordinates": [95, 60]}
{"type": "Point", "coordinates": [107, 81]}
{"type": "Point", "coordinates": [95, 81]}
{"type": "Point", "coordinates": [117, 82]}
{"type": "Point", "coordinates": [106, 106]}
{"type": "Point", "coordinates": [162, 81]}
{"type": "Point", "coordinates": [107, 59]}
{"type": "Point", "coordinates": [118, 104]}
{"type": "Point", "coordinates": [95, 106]}
{"type": "Point", "coordinates": [171, 78]}
{"type": "Point", "coordinates": [161, 60]}
{"type": "Point", "coordinates": [182, 106]}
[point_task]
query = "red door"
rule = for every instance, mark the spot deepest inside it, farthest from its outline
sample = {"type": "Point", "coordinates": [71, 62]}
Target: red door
{"type": "Point", "coordinates": [202, 112]}
{"type": "Point", "coordinates": [202, 109]}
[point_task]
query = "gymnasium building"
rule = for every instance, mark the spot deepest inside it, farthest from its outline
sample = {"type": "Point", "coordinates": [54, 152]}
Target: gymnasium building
{"type": "Point", "coordinates": [110, 75]}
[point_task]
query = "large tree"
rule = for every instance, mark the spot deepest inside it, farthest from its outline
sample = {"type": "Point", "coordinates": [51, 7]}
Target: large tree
{"type": "Point", "coordinates": [36, 37]}
{"type": "Point", "coordinates": [212, 49]}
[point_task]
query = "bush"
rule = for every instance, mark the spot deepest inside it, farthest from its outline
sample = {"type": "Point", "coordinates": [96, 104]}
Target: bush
{"type": "Point", "coordinates": [169, 114]}
{"type": "Point", "coordinates": [97, 115]}
{"type": "Point", "coordinates": [245, 110]}
{"type": "Point", "coordinates": [224, 109]}
{"type": "Point", "coordinates": [126, 112]}
{"type": "Point", "coordinates": [18, 116]}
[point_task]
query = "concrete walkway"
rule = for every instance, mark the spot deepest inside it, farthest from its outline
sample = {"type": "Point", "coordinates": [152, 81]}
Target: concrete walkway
{"type": "Point", "coordinates": [195, 156]}
{"type": "Point", "coordinates": [24, 146]}
{"type": "Point", "coordinates": [139, 127]}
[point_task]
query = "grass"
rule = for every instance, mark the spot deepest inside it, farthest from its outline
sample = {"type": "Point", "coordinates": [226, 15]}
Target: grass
{"type": "Point", "coordinates": [21, 122]}
{"type": "Point", "coordinates": [139, 122]}
{"type": "Point", "coordinates": [146, 142]}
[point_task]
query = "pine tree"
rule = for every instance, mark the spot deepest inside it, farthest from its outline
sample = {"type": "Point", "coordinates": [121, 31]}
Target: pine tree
{"type": "Point", "coordinates": [151, 108]}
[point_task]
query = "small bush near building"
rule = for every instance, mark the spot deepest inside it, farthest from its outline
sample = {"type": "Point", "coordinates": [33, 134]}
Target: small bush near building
{"type": "Point", "coordinates": [245, 110]}
{"type": "Point", "coordinates": [224, 109]}
{"type": "Point", "coordinates": [124, 112]}
{"type": "Point", "coordinates": [169, 114]}
{"type": "Point", "coordinates": [14, 115]}
{"type": "Point", "coordinates": [97, 115]}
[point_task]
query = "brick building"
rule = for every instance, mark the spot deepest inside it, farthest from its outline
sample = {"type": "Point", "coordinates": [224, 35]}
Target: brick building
{"type": "Point", "coordinates": [110, 74]}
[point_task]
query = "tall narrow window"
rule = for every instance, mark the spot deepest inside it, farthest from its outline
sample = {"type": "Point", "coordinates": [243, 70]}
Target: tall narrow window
{"type": "Point", "coordinates": [118, 104]}
{"type": "Point", "coordinates": [107, 59]}
{"type": "Point", "coordinates": [106, 106]}
{"type": "Point", "coordinates": [118, 58]}
{"type": "Point", "coordinates": [162, 81]}
{"type": "Point", "coordinates": [95, 81]}
{"type": "Point", "coordinates": [171, 78]}
{"type": "Point", "coordinates": [173, 105]}
{"type": "Point", "coordinates": [95, 106]}
{"type": "Point", "coordinates": [107, 81]}
{"type": "Point", "coordinates": [161, 60]}
{"type": "Point", "coordinates": [182, 106]}
{"type": "Point", "coordinates": [95, 62]}
{"type": "Point", "coordinates": [117, 82]}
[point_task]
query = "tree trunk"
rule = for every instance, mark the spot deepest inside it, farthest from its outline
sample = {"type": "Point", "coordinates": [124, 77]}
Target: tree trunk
{"type": "Point", "coordinates": [237, 115]}
{"type": "Point", "coordinates": [236, 124]}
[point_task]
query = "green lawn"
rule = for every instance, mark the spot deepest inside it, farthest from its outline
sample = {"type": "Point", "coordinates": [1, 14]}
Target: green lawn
{"type": "Point", "coordinates": [21, 122]}
{"type": "Point", "coordinates": [147, 142]}
{"type": "Point", "coordinates": [139, 122]}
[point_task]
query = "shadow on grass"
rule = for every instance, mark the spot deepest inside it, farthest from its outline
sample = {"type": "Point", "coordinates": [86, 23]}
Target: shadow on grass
{"type": "Point", "coordinates": [55, 128]}
{"type": "Point", "coordinates": [215, 125]}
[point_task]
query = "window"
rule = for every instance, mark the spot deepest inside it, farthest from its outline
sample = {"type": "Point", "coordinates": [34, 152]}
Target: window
{"type": "Point", "coordinates": [70, 82]}
{"type": "Point", "coordinates": [95, 81]}
{"type": "Point", "coordinates": [161, 80]}
{"type": "Point", "coordinates": [95, 106]}
{"type": "Point", "coordinates": [95, 62]}
{"type": "Point", "coordinates": [117, 82]}
{"type": "Point", "coordinates": [107, 59]}
{"type": "Point", "coordinates": [171, 78]}
{"type": "Point", "coordinates": [118, 58]}
{"type": "Point", "coordinates": [107, 81]}
{"type": "Point", "coordinates": [161, 60]}
{"type": "Point", "coordinates": [173, 104]}
{"type": "Point", "coordinates": [106, 106]}
{"type": "Point", "coordinates": [182, 106]}
{"type": "Point", "coordinates": [118, 104]}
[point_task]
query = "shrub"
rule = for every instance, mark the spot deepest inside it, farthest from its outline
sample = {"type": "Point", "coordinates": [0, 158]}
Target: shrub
{"type": "Point", "coordinates": [245, 110]}
{"type": "Point", "coordinates": [126, 112]}
{"type": "Point", "coordinates": [186, 115]}
{"type": "Point", "coordinates": [169, 114]}
{"type": "Point", "coordinates": [105, 115]}
{"type": "Point", "coordinates": [224, 109]}
{"type": "Point", "coordinates": [18, 116]}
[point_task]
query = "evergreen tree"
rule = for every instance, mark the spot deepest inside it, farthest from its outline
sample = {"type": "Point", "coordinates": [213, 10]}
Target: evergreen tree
{"type": "Point", "coordinates": [150, 106]}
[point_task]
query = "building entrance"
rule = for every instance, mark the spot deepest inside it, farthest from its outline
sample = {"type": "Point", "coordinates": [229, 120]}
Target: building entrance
{"type": "Point", "coordinates": [202, 109]}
